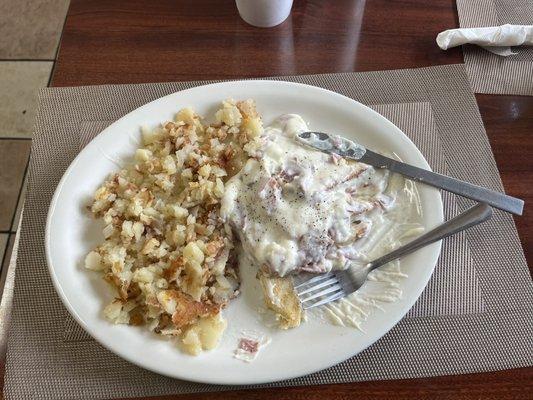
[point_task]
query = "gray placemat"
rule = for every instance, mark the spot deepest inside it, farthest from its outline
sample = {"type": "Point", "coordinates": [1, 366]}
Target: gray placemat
{"type": "Point", "coordinates": [481, 286]}
{"type": "Point", "coordinates": [488, 72]}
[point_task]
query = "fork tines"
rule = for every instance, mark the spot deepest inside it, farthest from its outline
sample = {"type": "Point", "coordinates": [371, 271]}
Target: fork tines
{"type": "Point", "coordinates": [319, 290]}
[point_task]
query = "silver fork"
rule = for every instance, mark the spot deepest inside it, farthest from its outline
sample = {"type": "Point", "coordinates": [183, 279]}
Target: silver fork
{"type": "Point", "coordinates": [334, 285]}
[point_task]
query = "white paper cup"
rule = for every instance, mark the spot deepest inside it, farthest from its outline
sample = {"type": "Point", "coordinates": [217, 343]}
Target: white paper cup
{"type": "Point", "coordinates": [264, 13]}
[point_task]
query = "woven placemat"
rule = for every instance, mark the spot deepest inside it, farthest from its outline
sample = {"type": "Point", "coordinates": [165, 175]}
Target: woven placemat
{"type": "Point", "coordinates": [480, 288]}
{"type": "Point", "coordinates": [489, 73]}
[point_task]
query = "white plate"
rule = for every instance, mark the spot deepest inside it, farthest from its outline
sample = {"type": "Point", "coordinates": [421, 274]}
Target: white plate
{"type": "Point", "coordinates": [71, 233]}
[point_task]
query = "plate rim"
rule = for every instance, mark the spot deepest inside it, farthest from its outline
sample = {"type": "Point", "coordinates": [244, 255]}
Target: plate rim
{"type": "Point", "coordinates": [241, 380]}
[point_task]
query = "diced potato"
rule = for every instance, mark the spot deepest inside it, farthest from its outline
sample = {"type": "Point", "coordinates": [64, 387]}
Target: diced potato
{"type": "Point", "coordinates": [211, 330]}
{"type": "Point", "coordinates": [108, 231]}
{"type": "Point", "coordinates": [192, 252]}
{"type": "Point", "coordinates": [114, 312]}
{"type": "Point", "coordinates": [229, 114]}
{"type": "Point", "coordinates": [138, 229]}
{"type": "Point", "coordinates": [201, 245]}
{"type": "Point", "coordinates": [218, 172]}
{"type": "Point", "coordinates": [115, 257]}
{"type": "Point", "coordinates": [186, 115]}
{"type": "Point", "coordinates": [193, 283]}
{"type": "Point", "coordinates": [150, 136]}
{"type": "Point", "coordinates": [143, 275]}
{"type": "Point", "coordinates": [191, 342]}
{"type": "Point", "coordinates": [177, 211]}
{"type": "Point", "coordinates": [223, 282]}
{"type": "Point", "coordinates": [204, 335]}
{"type": "Point", "coordinates": [150, 246]}
{"type": "Point", "coordinates": [143, 155]}
{"type": "Point", "coordinates": [93, 261]}
{"type": "Point", "coordinates": [204, 170]}
{"type": "Point", "coordinates": [247, 108]}
{"type": "Point", "coordinates": [164, 182]}
{"type": "Point", "coordinates": [219, 188]}
{"type": "Point", "coordinates": [169, 165]}
{"type": "Point", "coordinates": [253, 126]}
{"type": "Point", "coordinates": [186, 173]}
{"type": "Point", "coordinates": [168, 301]}
{"type": "Point", "coordinates": [135, 208]}
{"type": "Point", "coordinates": [161, 283]}
{"type": "Point", "coordinates": [178, 236]}
{"type": "Point", "coordinates": [127, 229]}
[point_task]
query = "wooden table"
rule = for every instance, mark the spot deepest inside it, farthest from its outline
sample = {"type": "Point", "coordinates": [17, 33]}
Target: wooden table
{"type": "Point", "coordinates": [130, 41]}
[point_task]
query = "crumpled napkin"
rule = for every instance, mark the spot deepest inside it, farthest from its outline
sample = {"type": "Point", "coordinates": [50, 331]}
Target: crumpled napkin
{"type": "Point", "coordinates": [496, 39]}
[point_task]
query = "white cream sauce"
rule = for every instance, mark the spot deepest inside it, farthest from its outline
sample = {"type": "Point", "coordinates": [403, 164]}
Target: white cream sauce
{"type": "Point", "coordinates": [298, 209]}
{"type": "Point", "coordinates": [301, 210]}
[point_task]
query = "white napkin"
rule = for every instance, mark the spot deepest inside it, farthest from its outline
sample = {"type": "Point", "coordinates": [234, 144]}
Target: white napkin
{"type": "Point", "coordinates": [496, 39]}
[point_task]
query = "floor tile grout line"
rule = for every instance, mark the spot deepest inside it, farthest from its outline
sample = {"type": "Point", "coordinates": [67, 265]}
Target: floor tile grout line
{"type": "Point", "coordinates": [58, 46]}
{"type": "Point", "coordinates": [2, 265]}
{"type": "Point", "coordinates": [25, 60]}
{"type": "Point", "coordinates": [4, 255]}
{"type": "Point", "coordinates": [62, 31]}
{"type": "Point", "coordinates": [51, 75]}
{"type": "Point", "coordinates": [20, 193]}
{"type": "Point", "coordinates": [4, 258]}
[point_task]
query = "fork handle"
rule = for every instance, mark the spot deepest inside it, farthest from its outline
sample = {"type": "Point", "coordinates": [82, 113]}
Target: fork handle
{"type": "Point", "coordinates": [471, 217]}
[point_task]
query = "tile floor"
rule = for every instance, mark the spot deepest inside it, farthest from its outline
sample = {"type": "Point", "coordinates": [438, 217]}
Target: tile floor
{"type": "Point", "coordinates": [30, 32]}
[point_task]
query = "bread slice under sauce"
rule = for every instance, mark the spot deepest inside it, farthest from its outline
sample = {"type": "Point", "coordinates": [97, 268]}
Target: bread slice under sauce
{"type": "Point", "coordinates": [281, 298]}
